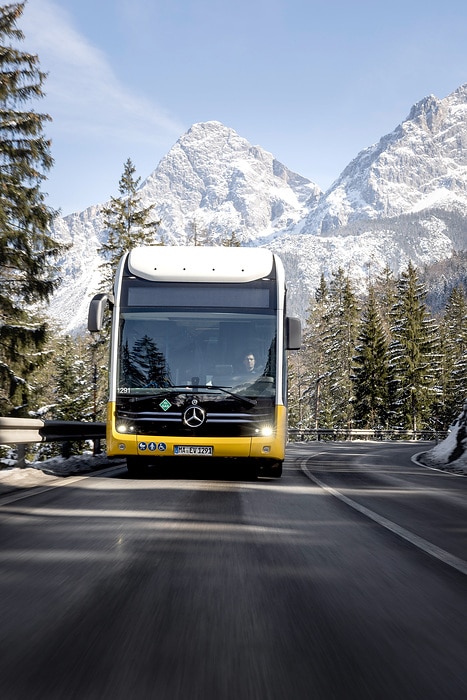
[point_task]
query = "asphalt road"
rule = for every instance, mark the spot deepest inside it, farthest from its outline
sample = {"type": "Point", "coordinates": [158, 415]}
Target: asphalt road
{"type": "Point", "coordinates": [199, 586]}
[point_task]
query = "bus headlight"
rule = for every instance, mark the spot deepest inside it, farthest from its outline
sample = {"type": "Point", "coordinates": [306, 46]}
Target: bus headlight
{"type": "Point", "coordinates": [125, 428]}
{"type": "Point", "coordinates": [267, 431]}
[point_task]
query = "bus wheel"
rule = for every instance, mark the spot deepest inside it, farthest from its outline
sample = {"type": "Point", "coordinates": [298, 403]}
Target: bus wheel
{"type": "Point", "coordinates": [271, 470]}
{"type": "Point", "coordinates": [137, 468]}
{"type": "Point", "coordinates": [249, 470]}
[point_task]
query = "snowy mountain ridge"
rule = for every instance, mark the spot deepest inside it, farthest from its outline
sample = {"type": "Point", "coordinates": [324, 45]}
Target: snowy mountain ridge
{"type": "Point", "coordinates": [421, 164]}
{"type": "Point", "coordinates": [404, 198]}
{"type": "Point", "coordinates": [217, 181]}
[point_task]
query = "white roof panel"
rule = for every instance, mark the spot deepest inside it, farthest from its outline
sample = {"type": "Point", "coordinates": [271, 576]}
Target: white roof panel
{"type": "Point", "coordinates": [200, 263]}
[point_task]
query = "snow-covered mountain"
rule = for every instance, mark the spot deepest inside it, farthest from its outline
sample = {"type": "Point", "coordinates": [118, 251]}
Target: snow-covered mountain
{"type": "Point", "coordinates": [216, 181]}
{"type": "Point", "coordinates": [403, 198]}
{"type": "Point", "coordinates": [422, 164]}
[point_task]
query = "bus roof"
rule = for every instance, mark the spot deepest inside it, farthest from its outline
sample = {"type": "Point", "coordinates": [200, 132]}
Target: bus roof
{"type": "Point", "coordinates": [200, 263]}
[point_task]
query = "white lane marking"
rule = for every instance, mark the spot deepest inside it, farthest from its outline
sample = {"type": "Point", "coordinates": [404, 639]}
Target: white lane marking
{"type": "Point", "coordinates": [31, 491]}
{"type": "Point", "coordinates": [411, 537]}
{"type": "Point", "coordinates": [20, 494]}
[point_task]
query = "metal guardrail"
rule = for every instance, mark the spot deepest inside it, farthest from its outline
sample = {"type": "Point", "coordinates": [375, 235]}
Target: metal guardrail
{"type": "Point", "coordinates": [23, 431]}
{"type": "Point", "coordinates": [304, 435]}
{"type": "Point", "coordinates": [16, 431]}
{"type": "Point", "coordinates": [20, 431]}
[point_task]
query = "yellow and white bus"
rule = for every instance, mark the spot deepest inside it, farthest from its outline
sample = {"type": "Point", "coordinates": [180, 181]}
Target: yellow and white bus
{"type": "Point", "coordinates": [198, 357]}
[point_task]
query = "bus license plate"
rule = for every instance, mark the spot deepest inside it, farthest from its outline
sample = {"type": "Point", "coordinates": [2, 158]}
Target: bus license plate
{"type": "Point", "coordinates": [198, 450]}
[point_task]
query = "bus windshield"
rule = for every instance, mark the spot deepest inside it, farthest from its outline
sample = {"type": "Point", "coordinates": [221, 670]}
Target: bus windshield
{"type": "Point", "coordinates": [188, 349]}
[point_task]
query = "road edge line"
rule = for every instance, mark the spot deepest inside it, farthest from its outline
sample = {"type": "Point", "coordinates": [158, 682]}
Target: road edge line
{"type": "Point", "coordinates": [422, 544]}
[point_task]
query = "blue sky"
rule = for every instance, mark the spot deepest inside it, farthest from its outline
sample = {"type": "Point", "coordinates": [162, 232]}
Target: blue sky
{"type": "Point", "coordinates": [311, 81]}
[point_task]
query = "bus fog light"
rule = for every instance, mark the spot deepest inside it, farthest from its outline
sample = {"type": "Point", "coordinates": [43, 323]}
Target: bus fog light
{"type": "Point", "coordinates": [266, 449]}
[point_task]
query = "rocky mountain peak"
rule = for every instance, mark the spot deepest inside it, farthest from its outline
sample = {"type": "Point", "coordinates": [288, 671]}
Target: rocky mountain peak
{"type": "Point", "coordinates": [216, 180]}
{"type": "Point", "coordinates": [428, 113]}
{"type": "Point", "coordinates": [403, 198]}
{"type": "Point", "coordinates": [421, 164]}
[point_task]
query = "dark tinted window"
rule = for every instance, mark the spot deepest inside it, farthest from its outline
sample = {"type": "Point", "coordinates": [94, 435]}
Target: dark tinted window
{"type": "Point", "coordinates": [241, 296]}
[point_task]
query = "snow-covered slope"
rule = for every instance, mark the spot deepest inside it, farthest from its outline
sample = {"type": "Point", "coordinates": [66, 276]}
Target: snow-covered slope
{"type": "Point", "coordinates": [216, 181]}
{"type": "Point", "coordinates": [405, 198]}
{"type": "Point", "coordinates": [422, 164]}
{"type": "Point", "coordinates": [79, 267]}
{"type": "Point", "coordinates": [362, 253]}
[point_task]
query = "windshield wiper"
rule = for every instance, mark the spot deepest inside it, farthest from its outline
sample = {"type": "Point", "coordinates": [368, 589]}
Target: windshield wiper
{"type": "Point", "coordinates": [249, 402]}
{"type": "Point", "coordinates": [190, 388]}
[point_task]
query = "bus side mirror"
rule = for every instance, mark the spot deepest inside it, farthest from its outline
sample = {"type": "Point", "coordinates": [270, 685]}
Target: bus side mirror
{"type": "Point", "coordinates": [96, 311]}
{"type": "Point", "coordinates": [293, 333]}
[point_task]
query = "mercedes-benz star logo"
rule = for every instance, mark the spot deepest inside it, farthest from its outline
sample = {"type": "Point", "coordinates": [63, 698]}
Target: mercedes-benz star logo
{"type": "Point", "coordinates": [194, 416]}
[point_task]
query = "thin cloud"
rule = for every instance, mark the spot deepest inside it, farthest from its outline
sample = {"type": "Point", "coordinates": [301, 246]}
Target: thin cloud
{"type": "Point", "coordinates": [83, 94]}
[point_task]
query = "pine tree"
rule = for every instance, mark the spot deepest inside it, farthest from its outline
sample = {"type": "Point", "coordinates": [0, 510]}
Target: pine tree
{"type": "Point", "coordinates": [325, 361]}
{"type": "Point", "coordinates": [128, 224]}
{"type": "Point", "coordinates": [293, 383]}
{"type": "Point", "coordinates": [231, 241]}
{"type": "Point", "coordinates": [69, 394]}
{"type": "Point", "coordinates": [64, 386]}
{"type": "Point", "coordinates": [198, 236]}
{"type": "Point", "coordinates": [370, 371]}
{"type": "Point", "coordinates": [322, 291]}
{"type": "Point", "coordinates": [414, 353]}
{"type": "Point", "coordinates": [27, 251]}
{"type": "Point", "coordinates": [453, 379]}
{"type": "Point", "coordinates": [73, 385]}
{"type": "Point", "coordinates": [385, 289]}
{"type": "Point", "coordinates": [339, 344]}
{"type": "Point", "coordinates": [148, 364]}
{"type": "Point", "coordinates": [309, 367]}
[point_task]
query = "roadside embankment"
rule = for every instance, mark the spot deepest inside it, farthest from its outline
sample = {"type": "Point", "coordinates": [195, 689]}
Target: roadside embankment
{"type": "Point", "coordinates": [451, 453]}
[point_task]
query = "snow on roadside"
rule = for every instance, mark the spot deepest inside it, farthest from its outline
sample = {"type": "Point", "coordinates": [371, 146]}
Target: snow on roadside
{"type": "Point", "coordinates": [42, 473]}
{"type": "Point", "coordinates": [451, 453]}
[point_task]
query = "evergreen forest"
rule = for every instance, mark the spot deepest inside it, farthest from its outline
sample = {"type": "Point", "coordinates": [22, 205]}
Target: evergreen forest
{"type": "Point", "coordinates": [384, 361]}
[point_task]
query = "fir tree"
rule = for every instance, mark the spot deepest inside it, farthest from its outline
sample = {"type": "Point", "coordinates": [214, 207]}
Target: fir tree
{"type": "Point", "coordinates": [322, 291]}
{"type": "Point", "coordinates": [370, 372]}
{"type": "Point", "coordinates": [72, 382]}
{"type": "Point", "coordinates": [453, 379]}
{"type": "Point", "coordinates": [339, 340]}
{"type": "Point", "coordinates": [70, 396]}
{"type": "Point", "coordinates": [198, 236]}
{"type": "Point", "coordinates": [27, 251]}
{"type": "Point", "coordinates": [414, 353]}
{"type": "Point", "coordinates": [385, 289]}
{"type": "Point", "coordinates": [73, 386]}
{"type": "Point", "coordinates": [128, 224]}
{"type": "Point", "coordinates": [309, 366]}
{"type": "Point", "coordinates": [64, 386]}
{"type": "Point", "coordinates": [325, 383]}
{"type": "Point", "coordinates": [231, 241]}
{"type": "Point", "coordinates": [148, 363]}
